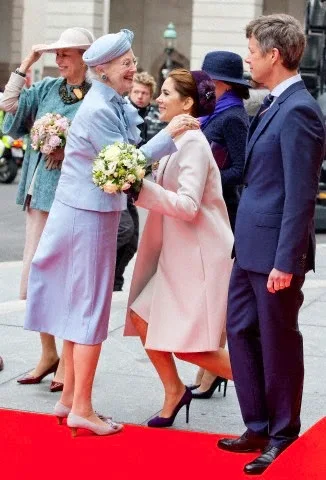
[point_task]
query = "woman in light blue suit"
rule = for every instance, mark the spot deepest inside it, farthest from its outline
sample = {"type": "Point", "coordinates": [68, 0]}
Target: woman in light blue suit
{"type": "Point", "coordinates": [73, 268]}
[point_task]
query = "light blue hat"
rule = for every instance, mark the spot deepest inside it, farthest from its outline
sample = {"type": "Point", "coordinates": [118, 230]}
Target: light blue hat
{"type": "Point", "coordinates": [108, 47]}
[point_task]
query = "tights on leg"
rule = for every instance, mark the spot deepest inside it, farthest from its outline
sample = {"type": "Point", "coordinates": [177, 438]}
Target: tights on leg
{"type": "Point", "coordinates": [35, 223]}
{"type": "Point", "coordinates": [80, 367]}
{"type": "Point", "coordinates": [218, 362]}
{"type": "Point", "coordinates": [204, 377]}
{"type": "Point", "coordinates": [166, 368]}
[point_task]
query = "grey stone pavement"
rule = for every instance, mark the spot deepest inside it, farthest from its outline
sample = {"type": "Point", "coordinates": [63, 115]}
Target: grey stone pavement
{"type": "Point", "coordinates": [126, 384]}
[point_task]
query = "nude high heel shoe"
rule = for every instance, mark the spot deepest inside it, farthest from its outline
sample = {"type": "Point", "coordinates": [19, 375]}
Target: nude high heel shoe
{"type": "Point", "coordinates": [61, 411]}
{"type": "Point", "coordinates": [75, 421]}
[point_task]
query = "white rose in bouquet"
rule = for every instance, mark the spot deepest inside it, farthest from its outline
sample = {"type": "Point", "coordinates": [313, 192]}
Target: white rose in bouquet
{"type": "Point", "coordinates": [111, 153]}
{"type": "Point", "coordinates": [140, 172]}
{"type": "Point", "coordinates": [131, 178]}
{"type": "Point", "coordinates": [111, 168]}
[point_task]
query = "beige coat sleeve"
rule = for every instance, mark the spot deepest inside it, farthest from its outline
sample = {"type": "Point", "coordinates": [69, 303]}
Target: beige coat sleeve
{"type": "Point", "coordinates": [191, 168]}
{"type": "Point", "coordinates": [9, 100]}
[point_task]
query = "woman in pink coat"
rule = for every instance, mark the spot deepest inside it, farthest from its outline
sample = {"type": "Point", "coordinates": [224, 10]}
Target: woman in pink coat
{"type": "Point", "coordinates": [178, 295]}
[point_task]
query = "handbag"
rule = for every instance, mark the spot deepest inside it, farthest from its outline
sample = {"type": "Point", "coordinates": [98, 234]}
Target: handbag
{"type": "Point", "coordinates": [221, 155]}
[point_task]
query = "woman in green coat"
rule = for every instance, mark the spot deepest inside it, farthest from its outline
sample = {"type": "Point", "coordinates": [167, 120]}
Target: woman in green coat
{"type": "Point", "coordinates": [40, 172]}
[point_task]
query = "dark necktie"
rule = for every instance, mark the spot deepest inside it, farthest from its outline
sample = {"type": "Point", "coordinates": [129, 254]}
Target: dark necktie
{"type": "Point", "coordinates": [267, 102]}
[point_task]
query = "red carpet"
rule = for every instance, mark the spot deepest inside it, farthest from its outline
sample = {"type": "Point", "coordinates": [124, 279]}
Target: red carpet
{"type": "Point", "coordinates": [34, 446]}
{"type": "Point", "coordinates": [305, 459]}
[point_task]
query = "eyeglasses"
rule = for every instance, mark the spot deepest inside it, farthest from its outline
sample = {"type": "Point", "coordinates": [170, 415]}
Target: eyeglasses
{"type": "Point", "coordinates": [130, 63]}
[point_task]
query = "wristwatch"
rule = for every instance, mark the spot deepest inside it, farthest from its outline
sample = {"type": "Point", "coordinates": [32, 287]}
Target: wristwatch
{"type": "Point", "coordinates": [20, 73]}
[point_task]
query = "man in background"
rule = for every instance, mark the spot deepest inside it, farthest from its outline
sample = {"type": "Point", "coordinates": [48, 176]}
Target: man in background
{"type": "Point", "coordinates": [141, 96]}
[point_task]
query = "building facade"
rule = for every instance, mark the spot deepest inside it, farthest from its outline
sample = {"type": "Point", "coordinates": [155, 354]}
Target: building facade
{"type": "Point", "coordinates": [201, 25]}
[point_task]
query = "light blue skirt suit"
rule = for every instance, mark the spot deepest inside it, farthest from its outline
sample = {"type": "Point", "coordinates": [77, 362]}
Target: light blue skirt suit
{"type": "Point", "coordinates": [72, 273]}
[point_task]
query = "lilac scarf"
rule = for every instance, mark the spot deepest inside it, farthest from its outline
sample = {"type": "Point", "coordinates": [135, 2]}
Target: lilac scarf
{"type": "Point", "coordinates": [227, 100]}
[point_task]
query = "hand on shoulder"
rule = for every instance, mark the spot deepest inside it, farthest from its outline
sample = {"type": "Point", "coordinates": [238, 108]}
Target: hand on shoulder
{"type": "Point", "coordinates": [181, 123]}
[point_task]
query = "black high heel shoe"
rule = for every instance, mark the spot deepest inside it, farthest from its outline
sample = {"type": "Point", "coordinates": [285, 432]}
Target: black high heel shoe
{"type": "Point", "coordinates": [193, 387]}
{"type": "Point", "coordinates": [208, 393]}
{"type": "Point", "coordinates": [161, 422]}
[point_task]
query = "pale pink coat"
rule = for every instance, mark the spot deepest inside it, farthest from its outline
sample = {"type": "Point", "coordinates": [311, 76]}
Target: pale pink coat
{"type": "Point", "coordinates": [187, 242]}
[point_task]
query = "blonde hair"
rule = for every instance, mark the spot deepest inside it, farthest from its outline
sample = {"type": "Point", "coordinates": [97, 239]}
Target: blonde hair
{"type": "Point", "coordinates": [145, 79]}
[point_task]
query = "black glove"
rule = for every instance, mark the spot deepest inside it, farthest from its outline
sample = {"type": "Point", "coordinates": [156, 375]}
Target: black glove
{"type": "Point", "coordinates": [134, 190]}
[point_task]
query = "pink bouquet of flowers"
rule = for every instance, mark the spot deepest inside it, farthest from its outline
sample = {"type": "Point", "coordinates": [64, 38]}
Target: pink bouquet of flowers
{"type": "Point", "coordinates": [49, 132]}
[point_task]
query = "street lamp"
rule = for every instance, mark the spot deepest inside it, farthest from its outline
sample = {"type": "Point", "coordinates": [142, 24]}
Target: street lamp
{"type": "Point", "coordinates": [169, 36]}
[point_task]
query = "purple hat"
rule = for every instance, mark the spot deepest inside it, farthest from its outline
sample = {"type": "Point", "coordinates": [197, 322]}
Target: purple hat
{"type": "Point", "coordinates": [206, 92]}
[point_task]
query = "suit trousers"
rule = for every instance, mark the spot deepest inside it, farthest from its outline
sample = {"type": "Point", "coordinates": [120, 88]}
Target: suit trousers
{"type": "Point", "coordinates": [127, 242]}
{"type": "Point", "coordinates": [266, 351]}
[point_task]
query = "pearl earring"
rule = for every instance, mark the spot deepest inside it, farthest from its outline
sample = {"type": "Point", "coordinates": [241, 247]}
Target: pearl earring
{"type": "Point", "coordinates": [104, 77]}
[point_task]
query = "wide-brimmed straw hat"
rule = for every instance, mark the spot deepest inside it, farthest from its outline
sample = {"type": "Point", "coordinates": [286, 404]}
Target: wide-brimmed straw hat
{"type": "Point", "coordinates": [75, 37]}
{"type": "Point", "coordinates": [225, 66]}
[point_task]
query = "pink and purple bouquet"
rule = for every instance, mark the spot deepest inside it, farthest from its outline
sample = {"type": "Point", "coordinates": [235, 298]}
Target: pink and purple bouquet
{"type": "Point", "coordinates": [49, 132]}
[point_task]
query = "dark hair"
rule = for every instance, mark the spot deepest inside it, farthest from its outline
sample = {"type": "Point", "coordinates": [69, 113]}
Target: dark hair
{"type": "Point", "coordinates": [240, 90]}
{"type": "Point", "coordinates": [198, 86]}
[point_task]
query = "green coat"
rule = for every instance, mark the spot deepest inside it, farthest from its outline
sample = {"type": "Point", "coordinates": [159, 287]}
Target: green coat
{"type": "Point", "coordinates": [41, 98]}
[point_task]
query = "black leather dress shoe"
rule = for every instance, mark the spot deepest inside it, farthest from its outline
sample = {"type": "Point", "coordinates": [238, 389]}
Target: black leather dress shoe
{"type": "Point", "coordinates": [246, 443]}
{"type": "Point", "coordinates": [1, 364]}
{"type": "Point", "coordinates": [260, 464]}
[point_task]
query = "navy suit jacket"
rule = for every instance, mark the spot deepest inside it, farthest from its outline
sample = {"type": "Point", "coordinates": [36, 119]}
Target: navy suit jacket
{"type": "Point", "coordinates": [275, 219]}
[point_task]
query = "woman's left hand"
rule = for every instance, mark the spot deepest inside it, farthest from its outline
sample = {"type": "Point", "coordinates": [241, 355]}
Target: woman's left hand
{"type": "Point", "coordinates": [54, 160]}
{"type": "Point", "coordinates": [182, 123]}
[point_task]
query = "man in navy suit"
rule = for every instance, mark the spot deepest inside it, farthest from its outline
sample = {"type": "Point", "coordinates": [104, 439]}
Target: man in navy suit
{"type": "Point", "coordinates": [274, 243]}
